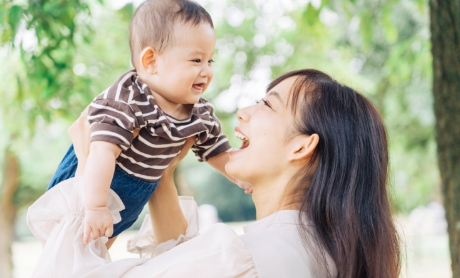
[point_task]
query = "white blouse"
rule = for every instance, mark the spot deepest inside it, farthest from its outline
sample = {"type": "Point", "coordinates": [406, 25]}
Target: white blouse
{"type": "Point", "coordinates": [270, 247]}
{"type": "Point", "coordinates": [277, 249]}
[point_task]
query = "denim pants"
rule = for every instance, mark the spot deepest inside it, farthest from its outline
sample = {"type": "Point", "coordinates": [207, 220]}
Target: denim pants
{"type": "Point", "coordinates": [134, 192]}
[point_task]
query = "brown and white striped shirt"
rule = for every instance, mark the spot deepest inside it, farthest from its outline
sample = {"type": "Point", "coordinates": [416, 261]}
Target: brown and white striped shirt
{"type": "Point", "coordinates": [129, 104]}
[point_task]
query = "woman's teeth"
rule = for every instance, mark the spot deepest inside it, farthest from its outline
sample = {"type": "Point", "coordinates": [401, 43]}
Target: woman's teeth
{"type": "Point", "coordinates": [241, 136]}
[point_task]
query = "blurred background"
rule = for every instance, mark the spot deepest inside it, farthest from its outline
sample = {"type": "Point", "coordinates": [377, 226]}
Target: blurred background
{"type": "Point", "coordinates": [57, 55]}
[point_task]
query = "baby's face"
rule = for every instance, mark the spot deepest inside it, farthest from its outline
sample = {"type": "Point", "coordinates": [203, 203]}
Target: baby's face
{"type": "Point", "coordinates": [184, 70]}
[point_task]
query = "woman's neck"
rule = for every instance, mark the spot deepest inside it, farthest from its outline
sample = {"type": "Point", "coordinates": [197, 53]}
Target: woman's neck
{"type": "Point", "coordinates": [274, 197]}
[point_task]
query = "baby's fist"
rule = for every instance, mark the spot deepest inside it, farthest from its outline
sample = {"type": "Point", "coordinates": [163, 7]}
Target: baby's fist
{"type": "Point", "coordinates": [97, 223]}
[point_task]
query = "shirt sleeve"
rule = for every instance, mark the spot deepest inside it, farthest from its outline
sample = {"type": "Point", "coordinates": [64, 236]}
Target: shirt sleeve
{"type": "Point", "coordinates": [112, 121]}
{"type": "Point", "coordinates": [212, 142]}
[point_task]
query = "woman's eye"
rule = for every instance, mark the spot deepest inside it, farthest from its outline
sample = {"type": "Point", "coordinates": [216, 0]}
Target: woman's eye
{"type": "Point", "coordinates": [266, 103]}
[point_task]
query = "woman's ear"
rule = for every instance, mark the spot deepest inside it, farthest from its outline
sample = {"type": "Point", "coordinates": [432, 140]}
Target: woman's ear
{"type": "Point", "coordinates": [148, 58]}
{"type": "Point", "coordinates": [303, 146]}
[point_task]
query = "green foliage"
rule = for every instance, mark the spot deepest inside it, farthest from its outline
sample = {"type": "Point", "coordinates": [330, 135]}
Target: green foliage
{"type": "Point", "coordinates": [391, 39]}
{"type": "Point", "coordinates": [75, 49]}
{"type": "Point", "coordinates": [43, 55]}
{"type": "Point", "coordinates": [42, 34]}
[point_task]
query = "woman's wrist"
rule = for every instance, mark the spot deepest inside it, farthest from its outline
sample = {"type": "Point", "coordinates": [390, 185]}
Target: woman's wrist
{"type": "Point", "coordinates": [80, 167]}
{"type": "Point", "coordinates": [168, 173]}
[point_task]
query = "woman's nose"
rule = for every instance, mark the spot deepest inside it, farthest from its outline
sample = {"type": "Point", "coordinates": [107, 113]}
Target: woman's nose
{"type": "Point", "coordinates": [243, 115]}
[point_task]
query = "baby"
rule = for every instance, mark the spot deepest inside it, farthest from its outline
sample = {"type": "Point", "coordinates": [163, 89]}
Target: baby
{"type": "Point", "coordinates": [172, 45]}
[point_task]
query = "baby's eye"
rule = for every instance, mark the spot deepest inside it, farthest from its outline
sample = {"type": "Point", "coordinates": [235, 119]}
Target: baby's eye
{"type": "Point", "coordinates": [211, 61]}
{"type": "Point", "coordinates": [197, 61]}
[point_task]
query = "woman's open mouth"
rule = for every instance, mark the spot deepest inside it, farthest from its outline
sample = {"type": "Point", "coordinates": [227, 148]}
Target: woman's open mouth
{"type": "Point", "coordinates": [243, 138]}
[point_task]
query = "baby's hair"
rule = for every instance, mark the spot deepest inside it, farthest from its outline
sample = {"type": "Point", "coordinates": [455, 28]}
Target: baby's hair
{"type": "Point", "coordinates": [154, 21]}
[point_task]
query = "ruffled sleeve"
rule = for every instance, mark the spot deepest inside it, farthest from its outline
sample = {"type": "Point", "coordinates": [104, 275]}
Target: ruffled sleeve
{"type": "Point", "coordinates": [143, 243]}
{"type": "Point", "coordinates": [217, 252]}
{"type": "Point", "coordinates": [56, 219]}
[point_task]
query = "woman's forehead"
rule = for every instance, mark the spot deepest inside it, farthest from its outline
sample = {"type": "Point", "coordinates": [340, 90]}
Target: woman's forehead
{"type": "Point", "coordinates": [282, 90]}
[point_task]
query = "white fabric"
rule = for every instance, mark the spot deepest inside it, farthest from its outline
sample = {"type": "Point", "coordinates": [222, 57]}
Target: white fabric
{"type": "Point", "coordinates": [56, 219]}
{"type": "Point", "coordinates": [277, 249]}
{"type": "Point", "coordinates": [270, 247]}
{"type": "Point", "coordinates": [218, 252]}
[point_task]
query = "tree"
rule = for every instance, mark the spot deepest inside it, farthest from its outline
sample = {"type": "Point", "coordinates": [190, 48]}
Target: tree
{"type": "Point", "coordinates": [445, 40]}
{"type": "Point", "coordinates": [41, 71]}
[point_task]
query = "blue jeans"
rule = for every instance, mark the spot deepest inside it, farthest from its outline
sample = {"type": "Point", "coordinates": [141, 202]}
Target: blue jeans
{"type": "Point", "coordinates": [134, 192]}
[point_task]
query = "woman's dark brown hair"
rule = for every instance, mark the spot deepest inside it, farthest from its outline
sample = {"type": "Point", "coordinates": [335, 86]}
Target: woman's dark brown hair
{"type": "Point", "coordinates": [346, 197]}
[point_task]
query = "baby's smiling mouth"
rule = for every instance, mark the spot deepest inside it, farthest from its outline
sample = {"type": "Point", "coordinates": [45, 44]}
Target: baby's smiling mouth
{"type": "Point", "coordinates": [198, 86]}
{"type": "Point", "coordinates": [243, 137]}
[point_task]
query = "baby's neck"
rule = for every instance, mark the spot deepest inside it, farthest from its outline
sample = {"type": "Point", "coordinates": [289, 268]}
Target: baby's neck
{"type": "Point", "coordinates": [176, 110]}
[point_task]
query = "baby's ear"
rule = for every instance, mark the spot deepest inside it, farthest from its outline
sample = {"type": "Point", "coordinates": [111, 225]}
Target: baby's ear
{"type": "Point", "coordinates": [148, 58]}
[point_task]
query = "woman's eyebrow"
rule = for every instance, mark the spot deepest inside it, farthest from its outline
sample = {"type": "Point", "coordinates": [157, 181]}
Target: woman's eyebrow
{"type": "Point", "coordinates": [276, 94]}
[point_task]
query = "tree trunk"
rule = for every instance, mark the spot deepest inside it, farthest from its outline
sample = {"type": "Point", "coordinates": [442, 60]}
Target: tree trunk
{"type": "Point", "coordinates": [445, 39]}
{"type": "Point", "coordinates": [8, 211]}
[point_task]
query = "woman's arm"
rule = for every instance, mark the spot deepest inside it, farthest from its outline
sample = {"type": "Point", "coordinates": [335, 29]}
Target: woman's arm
{"type": "Point", "coordinates": [80, 134]}
{"type": "Point", "coordinates": [165, 213]}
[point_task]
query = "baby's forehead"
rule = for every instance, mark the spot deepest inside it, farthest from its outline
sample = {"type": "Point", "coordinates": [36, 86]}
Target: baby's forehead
{"type": "Point", "coordinates": [199, 37]}
{"type": "Point", "coordinates": [157, 23]}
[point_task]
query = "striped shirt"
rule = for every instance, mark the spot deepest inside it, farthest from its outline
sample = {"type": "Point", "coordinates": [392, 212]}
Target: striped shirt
{"type": "Point", "coordinates": [129, 104]}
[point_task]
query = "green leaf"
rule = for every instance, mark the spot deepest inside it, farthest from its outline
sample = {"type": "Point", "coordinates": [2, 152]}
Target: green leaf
{"type": "Point", "coordinates": [127, 11]}
{"type": "Point", "coordinates": [5, 36]}
{"type": "Point", "coordinates": [310, 15]}
{"type": "Point", "coordinates": [391, 33]}
{"type": "Point", "coordinates": [15, 18]}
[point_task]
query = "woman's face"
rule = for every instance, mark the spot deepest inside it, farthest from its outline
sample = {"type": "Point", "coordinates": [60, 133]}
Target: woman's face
{"type": "Point", "coordinates": [264, 129]}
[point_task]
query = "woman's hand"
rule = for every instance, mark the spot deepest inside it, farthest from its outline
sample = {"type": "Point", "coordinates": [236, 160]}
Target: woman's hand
{"type": "Point", "coordinates": [244, 185]}
{"type": "Point", "coordinates": [80, 134]}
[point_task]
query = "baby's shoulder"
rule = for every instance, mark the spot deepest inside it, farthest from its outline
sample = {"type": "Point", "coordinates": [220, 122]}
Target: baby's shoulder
{"type": "Point", "coordinates": [129, 89]}
{"type": "Point", "coordinates": [203, 106]}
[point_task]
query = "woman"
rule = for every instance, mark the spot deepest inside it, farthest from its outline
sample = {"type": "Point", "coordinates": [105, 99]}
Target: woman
{"type": "Point", "coordinates": [315, 152]}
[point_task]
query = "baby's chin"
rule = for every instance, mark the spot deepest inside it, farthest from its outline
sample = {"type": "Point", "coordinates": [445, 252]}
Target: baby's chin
{"type": "Point", "coordinates": [193, 100]}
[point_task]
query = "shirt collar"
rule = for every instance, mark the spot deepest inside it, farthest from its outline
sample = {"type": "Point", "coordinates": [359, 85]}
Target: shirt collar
{"type": "Point", "coordinates": [289, 217]}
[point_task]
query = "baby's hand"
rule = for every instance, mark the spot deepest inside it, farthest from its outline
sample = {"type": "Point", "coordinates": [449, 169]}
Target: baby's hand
{"type": "Point", "coordinates": [98, 222]}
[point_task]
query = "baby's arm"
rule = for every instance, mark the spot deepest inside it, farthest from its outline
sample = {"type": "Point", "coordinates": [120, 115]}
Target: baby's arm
{"type": "Point", "coordinates": [98, 175]}
{"type": "Point", "coordinates": [218, 162]}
